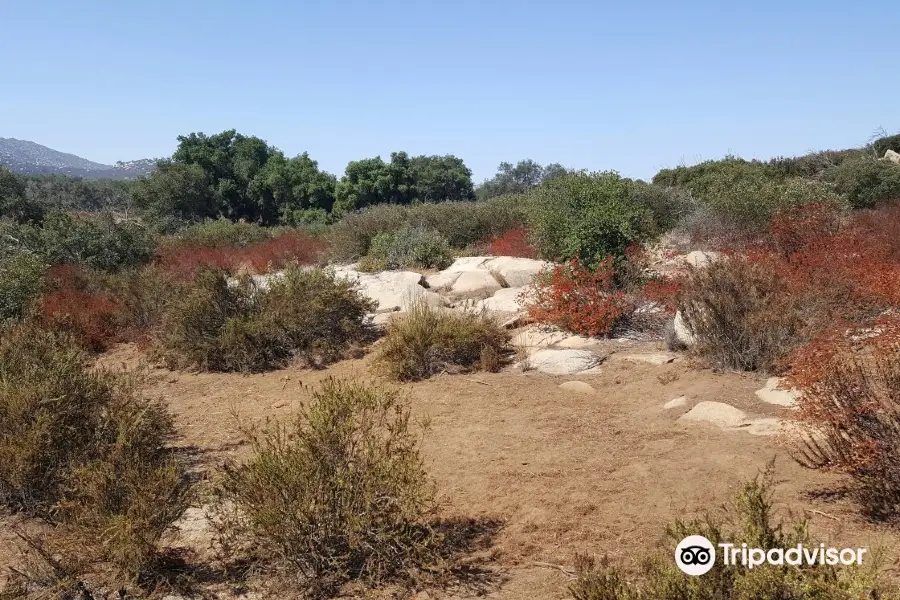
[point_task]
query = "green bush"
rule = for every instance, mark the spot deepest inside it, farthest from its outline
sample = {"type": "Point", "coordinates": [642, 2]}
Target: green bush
{"type": "Point", "coordinates": [407, 248]}
{"type": "Point", "coordinates": [590, 216]}
{"type": "Point", "coordinates": [427, 341]}
{"type": "Point", "coordinates": [889, 142]}
{"type": "Point", "coordinates": [668, 205]}
{"type": "Point", "coordinates": [81, 446]}
{"type": "Point", "coordinates": [240, 326]}
{"type": "Point", "coordinates": [461, 223]}
{"type": "Point", "coordinates": [21, 281]}
{"type": "Point", "coordinates": [339, 493]}
{"type": "Point", "coordinates": [750, 204]}
{"type": "Point", "coordinates": [97, 242]}
{"type": "Point", "coordinates": [866, 182]}
{"type": "Point", "coordinates": [217, 233]}
{"type": "Point", "coordinates": [749, 520]}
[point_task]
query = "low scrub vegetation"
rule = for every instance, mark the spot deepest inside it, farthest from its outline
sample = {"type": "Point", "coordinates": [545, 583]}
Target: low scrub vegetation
{"type": "Point", "coordinates": [579, 299]}
{"type": "Point", "coordinates": [749, 520]}
{"type": "Point", "coordinates": [407, 248]}
{"type": "Point", "coordinates": [83, 449]}
{"type": "Point", "coordinates": [184, 258]}
{"type": "Point", "coordinates": [850, 409]}
{"type": "Point", "coordinates": [587, 216]}
{"type": "Point", "coordinates": [514, 242]}
{"type": "Point", "coordinates": [339, 493]}
{"type": "Point", "coordinates": [239, 325]}
{"type": "Point", "coordinates": [427, 341]}
{"type": "Point", "coordinates": [462, 224]}
{"type": "Point", "coordinates": [21, 282]}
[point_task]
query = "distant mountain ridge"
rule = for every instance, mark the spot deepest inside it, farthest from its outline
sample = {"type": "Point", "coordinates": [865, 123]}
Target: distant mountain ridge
{"type": "Point", "coordinates": [22, 156]}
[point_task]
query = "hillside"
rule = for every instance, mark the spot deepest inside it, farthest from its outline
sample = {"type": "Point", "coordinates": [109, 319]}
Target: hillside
{"type": "Point", "coordinates": [22, 156]}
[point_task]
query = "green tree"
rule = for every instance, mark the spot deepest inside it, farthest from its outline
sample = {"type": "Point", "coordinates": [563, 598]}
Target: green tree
{"type": "Point", "coordinates": [13, 203]}
{"type": "Point", "coordinates": [525, 175]}
{"type": "Point", "coordinates": [295, 188]}
{"type": "Point", "coordinates": [176, 193]}
{"type": "Point", "coordinates": [439, 178]}
{"type": "Point", "coordinates": [403, 180]}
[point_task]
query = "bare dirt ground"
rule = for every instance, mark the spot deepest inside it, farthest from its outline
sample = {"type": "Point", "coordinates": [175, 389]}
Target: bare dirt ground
{"type": "Point", "coordinates": [564, 472]}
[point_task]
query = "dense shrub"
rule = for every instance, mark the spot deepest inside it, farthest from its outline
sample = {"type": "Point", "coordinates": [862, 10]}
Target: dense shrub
{"type": "Point", "coordinates": [578, 298]}
{"type": "Point", "coordinates": [742, 314]}
{"type": "Point", "coordinates": [588, 216]}
{"type": "Point", "coordinates": [668, 205]}
{"type": "Point", "coordinates": [216, 325]}
{"type": "Point", "coordinates": [81, 446]}
{"type": "Point", "coordinates": [752, 203]}
{"type": "Point", "coordinates": [849, 379]}
{"type": "Point", "coordinates": [889, 142]}
{"type": "Point", "coordinates": [93, 319]}
{"type": "Point", "coordinates": [184, 259]}
{"type": "Point", "coordinates": [338, 493]}
{"type": "Point", "coordinates": [407, 248]}
{"type": "Point", "coordinates": [427, 341]}
{"type": "Point", "coordinates": [511, 243]}
{"type": "Point", "coordinates": [866, 182]}
{"type": "Point", "coordinates": [461, 223]}
{"type": "Point", "coordinates": [749, 520]}
{"type": "Point", "coordinates": [21, 281]}
{"type": "Point", "coordinates": [97, 242]}
{"type": "Point", "coordinates": [222, 232]}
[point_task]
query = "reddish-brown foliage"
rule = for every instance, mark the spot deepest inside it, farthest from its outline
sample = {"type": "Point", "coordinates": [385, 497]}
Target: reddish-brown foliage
{"type": "Point", "coordinates": [183, 260]}
{"type": "Point", "coordinates": [578, 299]}
{"type": "Point", "coordinates": [512, 243]}
{"type": "Point", "coordinates": [663, 291]}
{"type": "Point", "coordinates": [93, 318]}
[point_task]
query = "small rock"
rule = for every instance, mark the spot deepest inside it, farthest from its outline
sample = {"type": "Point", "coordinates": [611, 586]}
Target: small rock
{"type": "Point", "coordinates": [659, 358]}
{"type": "Point", "coordinates": [700, 259]}
{"type": "Point", "coordinates": [771, 394]}
{"type": "Point", "coordinates": [675, 403]}
{"type": "Point", "coordinates": [562, 362]}
{"type": "Point", "coordinates": [280, 404]}
{"type": "Point", "coordinates": [764, 426]}
{"type": "Point", "coordinates": [892, 156]}
{"type": "Point", "coordinates": [578, 387]}
{"type": "Point", "coordinates": [716, 413]}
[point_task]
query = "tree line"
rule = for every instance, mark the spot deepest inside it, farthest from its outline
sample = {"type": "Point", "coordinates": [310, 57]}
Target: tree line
{"type": "Point", "coordinates": [230, 175]}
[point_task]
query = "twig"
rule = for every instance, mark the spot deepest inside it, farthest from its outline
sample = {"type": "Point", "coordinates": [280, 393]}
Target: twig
{"type": "Point", "coordinates": [568, 572]}
{"type": "Point", "coordinates": [476, 381]}
{"type": "Point", "coordinates": [824, 514]}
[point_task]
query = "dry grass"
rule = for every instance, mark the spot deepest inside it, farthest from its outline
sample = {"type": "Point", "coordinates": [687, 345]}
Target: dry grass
{"type": "Point", "coordinates": [427, 341]}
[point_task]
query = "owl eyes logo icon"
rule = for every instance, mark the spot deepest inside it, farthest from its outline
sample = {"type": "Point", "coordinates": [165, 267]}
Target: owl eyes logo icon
{"type": "Point", "coordinates": [695, 555]}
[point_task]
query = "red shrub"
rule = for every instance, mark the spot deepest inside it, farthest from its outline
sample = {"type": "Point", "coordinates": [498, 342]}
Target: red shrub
{"type": "Point", "coordinates": [577, 299]}
{"type": "Point", "coordinates": [183, 260]}
{"type": "Point", "coordinates": [663, 291]}
{"type": "Point", "coordinates": [92, 317]}
{"type": "Point", "coordinates": [512, 243]}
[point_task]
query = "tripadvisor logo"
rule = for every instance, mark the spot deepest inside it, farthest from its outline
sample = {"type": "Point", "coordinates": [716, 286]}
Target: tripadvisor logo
{"type": "Point", "coordinates": [696, 555]}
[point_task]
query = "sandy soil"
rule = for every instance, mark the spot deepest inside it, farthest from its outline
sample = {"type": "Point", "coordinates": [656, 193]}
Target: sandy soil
{"type": "Point", "coordinates": [563, 472]}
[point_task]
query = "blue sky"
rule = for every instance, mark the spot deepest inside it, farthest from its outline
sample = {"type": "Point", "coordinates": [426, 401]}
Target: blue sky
{"type": "Point", "coordinates": [629, 86]}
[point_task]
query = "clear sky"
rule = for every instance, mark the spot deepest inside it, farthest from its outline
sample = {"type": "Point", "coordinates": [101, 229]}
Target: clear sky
{"type": "Point", "coordinates": [631, 86]}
